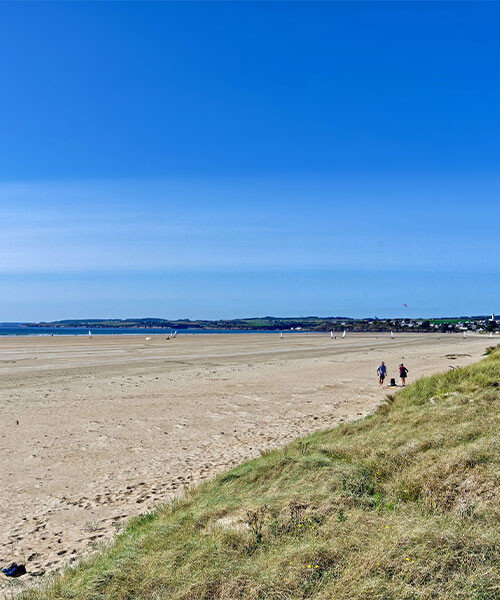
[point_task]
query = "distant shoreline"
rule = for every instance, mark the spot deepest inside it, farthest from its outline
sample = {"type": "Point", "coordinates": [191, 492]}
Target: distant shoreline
{"type": "Point", "coordinates": [70, 331]}
{"type": "Point", "coordinates": [169, 334]}
{"type": "Point", "coordinates": [266, 324]}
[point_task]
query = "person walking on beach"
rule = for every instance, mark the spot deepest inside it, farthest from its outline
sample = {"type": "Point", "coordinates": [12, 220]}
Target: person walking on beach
{"type": "Point", "coordinates": [381, 372]}
{"type": "Point", "coordinates": [403, 372]}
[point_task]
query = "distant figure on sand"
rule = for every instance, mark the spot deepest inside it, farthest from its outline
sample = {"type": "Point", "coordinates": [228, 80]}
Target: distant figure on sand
{"type": "Point", "coordinates": [381, 372]}
{"type": "Point", "coordinates": [403, 372]}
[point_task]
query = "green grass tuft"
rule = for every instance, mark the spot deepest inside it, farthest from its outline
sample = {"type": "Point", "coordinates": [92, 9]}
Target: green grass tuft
{"type": "Point", "coordinates": [402, 505]}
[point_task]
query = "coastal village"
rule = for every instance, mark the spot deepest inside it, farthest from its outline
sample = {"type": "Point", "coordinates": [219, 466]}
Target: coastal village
{"type": "Point", "coordinates": [478, 324]}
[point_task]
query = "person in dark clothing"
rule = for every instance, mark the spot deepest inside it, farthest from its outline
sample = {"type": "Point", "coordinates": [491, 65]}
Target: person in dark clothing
{"type": "Point", "coordinates": [403, 372]}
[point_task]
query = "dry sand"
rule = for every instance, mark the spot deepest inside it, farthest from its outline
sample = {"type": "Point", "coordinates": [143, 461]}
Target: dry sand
{"type": "Point", "coordinates": [94, 430]}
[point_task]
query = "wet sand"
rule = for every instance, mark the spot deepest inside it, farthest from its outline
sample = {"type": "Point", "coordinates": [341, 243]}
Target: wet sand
{"type": "Point", "coordinates": [95, 430]}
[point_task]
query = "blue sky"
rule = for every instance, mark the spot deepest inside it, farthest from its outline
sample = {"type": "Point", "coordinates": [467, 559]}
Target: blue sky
{"type": "Point", "coordinates": [236, 159]}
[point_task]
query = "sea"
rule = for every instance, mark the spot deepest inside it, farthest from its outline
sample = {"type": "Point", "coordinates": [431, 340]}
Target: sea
{"type": "Point", "coordinates": [23, 330]}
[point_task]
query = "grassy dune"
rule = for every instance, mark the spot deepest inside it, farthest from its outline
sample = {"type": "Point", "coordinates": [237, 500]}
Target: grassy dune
{"type": "Point", "coordinates": [404, 504]}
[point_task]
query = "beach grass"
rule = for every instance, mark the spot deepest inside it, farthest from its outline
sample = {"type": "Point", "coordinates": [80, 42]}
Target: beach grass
{"type": "Point", "coordinates": [404, 504]}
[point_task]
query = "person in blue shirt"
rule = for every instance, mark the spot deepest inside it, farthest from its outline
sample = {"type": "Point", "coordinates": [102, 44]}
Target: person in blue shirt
{"type": "Point", "coordinates": [381, 372]}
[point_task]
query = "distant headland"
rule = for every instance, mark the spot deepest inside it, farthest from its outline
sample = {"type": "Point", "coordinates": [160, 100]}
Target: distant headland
{"type": "Point", "coordinates": [479, 323]}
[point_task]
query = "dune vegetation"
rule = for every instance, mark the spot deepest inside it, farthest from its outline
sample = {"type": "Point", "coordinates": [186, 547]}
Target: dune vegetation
{"type": "Point", "coordinates": [404, 504]}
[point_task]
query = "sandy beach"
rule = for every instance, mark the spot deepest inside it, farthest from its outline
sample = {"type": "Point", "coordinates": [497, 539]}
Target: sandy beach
{"type": "Point", "coordinates": [95, 430]}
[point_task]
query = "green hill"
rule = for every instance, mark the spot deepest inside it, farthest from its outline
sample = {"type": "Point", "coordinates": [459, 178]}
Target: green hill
{"type": "Point", "coordinates": [404, 504]}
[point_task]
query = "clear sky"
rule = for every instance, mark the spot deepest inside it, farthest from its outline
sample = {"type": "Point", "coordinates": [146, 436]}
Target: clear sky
{"type": "Point", "coordinates": [221, 159]}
